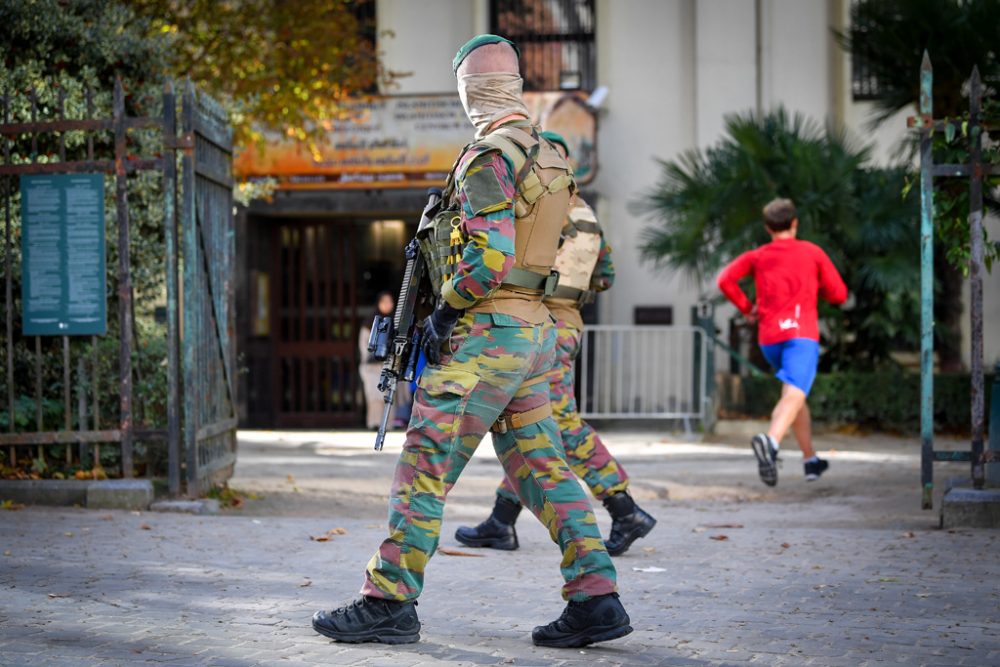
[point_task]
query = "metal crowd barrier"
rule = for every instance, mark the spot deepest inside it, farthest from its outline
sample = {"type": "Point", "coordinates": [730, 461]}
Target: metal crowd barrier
{"type": "Point", "coordinates": [643, 372]}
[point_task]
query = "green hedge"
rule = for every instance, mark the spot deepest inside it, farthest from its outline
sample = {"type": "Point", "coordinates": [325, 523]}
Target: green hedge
{"type": "Point", "coordinates": [884, 401]}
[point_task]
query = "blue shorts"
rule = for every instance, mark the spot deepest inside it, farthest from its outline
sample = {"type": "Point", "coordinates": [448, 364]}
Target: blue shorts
{"type": "Point", "coordinates": [795, 361]}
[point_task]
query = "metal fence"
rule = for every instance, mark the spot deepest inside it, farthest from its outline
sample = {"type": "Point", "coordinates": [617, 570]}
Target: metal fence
{"type": "Point", "coordinates": [644, 372]}
{"type": "Point", "coordinates": [198, 286]}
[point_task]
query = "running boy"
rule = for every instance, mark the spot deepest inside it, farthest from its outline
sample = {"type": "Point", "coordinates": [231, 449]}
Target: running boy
{"type": "Point", "coordinates": [788, 275]}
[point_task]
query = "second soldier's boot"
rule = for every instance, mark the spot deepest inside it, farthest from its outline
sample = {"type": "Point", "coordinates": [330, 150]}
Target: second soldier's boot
{"type": "Point", "coordinates": [497, 532]}
{"type": "Point", "coordinates": [629, 522]}
{"type": "Point", "coordinates": [595, 620]}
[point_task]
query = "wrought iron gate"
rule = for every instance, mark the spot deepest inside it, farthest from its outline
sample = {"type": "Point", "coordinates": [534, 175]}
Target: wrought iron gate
{"type": "Point", "coordinates": [976, 169]}
{"type": "Point", "coordinates": [208, 302]}
{"type": "Point", "coordinates": [200, 434]}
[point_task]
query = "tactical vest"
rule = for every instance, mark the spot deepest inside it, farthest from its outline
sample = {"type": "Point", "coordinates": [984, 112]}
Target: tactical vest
{"type": "Point", "coordinates": [545, 184]}
{"type": "Point", "coordinates": [575, 261]}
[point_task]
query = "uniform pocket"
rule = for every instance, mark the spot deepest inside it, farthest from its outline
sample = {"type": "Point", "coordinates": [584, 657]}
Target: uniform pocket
{"type": "Point", "coordinates": [443, 380]}
{"type": "Point", "coordinates": [447, 391]}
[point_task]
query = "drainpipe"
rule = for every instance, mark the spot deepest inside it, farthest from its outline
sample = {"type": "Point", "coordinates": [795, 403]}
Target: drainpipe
{"type": "Point", "coordinates": [758, 25]}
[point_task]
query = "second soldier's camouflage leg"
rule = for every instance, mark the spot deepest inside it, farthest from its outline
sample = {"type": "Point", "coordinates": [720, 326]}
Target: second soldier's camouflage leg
{"type": "Point", "coordinates": [585, 453]}
{"type": "Point", "coordinates": [531, 456]}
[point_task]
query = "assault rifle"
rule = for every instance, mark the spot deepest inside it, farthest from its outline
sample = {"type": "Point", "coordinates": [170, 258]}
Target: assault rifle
{"type": "Point", "coordinates": [396, 341]}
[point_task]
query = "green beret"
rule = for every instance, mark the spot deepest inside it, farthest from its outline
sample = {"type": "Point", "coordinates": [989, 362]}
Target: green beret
{"type": "Point", "coordinates": [475, 43]}
{"type": "Point", "coordinates": [556, 138]}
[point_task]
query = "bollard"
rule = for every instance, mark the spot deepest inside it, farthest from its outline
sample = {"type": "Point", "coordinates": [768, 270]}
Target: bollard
{"type": "Point", "coordinates": [993, 448]}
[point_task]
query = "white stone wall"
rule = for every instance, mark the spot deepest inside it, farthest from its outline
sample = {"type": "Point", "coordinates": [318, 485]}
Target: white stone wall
{"type": "Point", "coordinates": [420, 37]}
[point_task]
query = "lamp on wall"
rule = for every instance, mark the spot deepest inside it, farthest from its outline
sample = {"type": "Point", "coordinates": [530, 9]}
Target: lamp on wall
{"type": "Point", "coordinates": [597, 98]}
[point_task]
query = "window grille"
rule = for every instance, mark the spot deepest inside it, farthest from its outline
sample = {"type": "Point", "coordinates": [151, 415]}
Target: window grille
{"type": "Point", "coordinates": [864, 78]}
{"type": "Point", "coordinates": [556, 39]}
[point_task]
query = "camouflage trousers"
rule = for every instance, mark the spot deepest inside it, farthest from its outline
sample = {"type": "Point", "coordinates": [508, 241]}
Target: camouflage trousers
{"type": "Point", "coordinates": [497, 364]}
{"type": "Point", "coordinates": [585, 453]}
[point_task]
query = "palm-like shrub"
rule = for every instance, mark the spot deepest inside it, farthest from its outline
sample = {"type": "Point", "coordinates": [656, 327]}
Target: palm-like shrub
{"type": "Point", "coordinates": [705, 210]}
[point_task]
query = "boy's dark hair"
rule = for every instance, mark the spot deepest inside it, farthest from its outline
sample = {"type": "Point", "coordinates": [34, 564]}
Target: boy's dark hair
{"type": "Point", "coordinates": [778, 214]}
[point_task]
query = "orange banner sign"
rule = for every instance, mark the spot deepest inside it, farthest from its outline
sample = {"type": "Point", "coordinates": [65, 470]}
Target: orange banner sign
{"type": "Point", "coordinates": [408, 141]}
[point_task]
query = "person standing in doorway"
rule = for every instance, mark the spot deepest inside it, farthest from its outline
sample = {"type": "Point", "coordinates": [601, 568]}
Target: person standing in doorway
{"type": "Point", "coordinates": [370, 368]}
{"type": "Point", "coordinates": [789, 276]}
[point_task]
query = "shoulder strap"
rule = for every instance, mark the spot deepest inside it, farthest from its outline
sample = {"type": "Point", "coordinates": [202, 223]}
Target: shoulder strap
{"type": "Point", "coordinates": [519, 145]}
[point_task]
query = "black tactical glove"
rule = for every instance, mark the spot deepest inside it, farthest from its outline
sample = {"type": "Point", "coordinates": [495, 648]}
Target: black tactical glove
{"type": "Point", "coordinates": [437, 330]}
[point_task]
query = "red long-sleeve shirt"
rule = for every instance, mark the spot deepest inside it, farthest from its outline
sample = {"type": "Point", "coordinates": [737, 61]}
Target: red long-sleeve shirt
{"type": "Point", "coordinates": [788, 274]}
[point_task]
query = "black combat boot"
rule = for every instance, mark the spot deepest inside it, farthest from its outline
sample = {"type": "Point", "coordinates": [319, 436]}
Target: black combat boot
{"type": "Point", "coordinates": [369, 619]}
{"type": "Point", "coordinates": [595, 620]}
{"type": "Point", "coordinates": [497, 532]}
{"type": "Point", "coordinates": [629, 522]}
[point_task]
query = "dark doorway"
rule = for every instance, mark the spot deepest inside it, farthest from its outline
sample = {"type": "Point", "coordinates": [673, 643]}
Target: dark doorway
{"type": "Point", "coordinates": [314, 302]}
{"type": "Point", "coordinates": [312, 285]}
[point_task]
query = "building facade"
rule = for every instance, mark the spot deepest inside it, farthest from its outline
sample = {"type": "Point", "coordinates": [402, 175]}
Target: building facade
{"type": "Point", "coordinates": [671, 70]}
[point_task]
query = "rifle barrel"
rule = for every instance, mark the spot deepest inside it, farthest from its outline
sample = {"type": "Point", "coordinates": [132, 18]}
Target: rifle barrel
{"type": "Point", "coordinates": [384, 425]}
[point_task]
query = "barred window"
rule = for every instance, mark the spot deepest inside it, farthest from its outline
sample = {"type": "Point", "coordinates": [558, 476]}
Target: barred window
{"type": "Point", "coordinates": [864, 78]}
{"type": "Point", "coordinates": [556, 38]}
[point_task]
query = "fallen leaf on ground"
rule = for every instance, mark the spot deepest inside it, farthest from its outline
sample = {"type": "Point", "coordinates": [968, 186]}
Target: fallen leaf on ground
{"type": "Point", "coordinates": [7, 553]}
{"type": "Point", "coordinates": [456, 552]}
{"type": "Point", "coordinates": [651, 568]}
{"type": "Point", "coordinates": [58, 595]}
{"type": "Point", "coordinates": [909, 533]}
{"type": "Point", "coordinates": [888, 580]}
{"type": "Point", "coordinates": [722, 525]}
{"type": "Point", "coordinates": [11, 505]}
{"type": "Point", "coordinates": [325, 537]}
{"type": "Point", "coordinates": [649, 550]}
{"type": "Point", "coordinates": [719, 538]}
{"type": "Point", "coordinates": [145, 526]}
{"type": "Point", "coordinates": [68, 534]}
{"type": "Point", "coordinates": [290, 479]}
{"type": "Point", "coordinates": [305, 582]}
{"type": "Point", "coordinates": [785, 545]}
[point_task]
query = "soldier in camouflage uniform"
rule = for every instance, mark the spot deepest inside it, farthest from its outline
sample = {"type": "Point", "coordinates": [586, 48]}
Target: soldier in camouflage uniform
{"type": "Point", "coordinates": [585, 267]}
{"type": "Point", "coordinates": [489, 342]}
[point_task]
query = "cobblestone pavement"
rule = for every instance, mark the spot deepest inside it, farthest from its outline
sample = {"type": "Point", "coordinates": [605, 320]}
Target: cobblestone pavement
{"type": "Point", "coordinates": [845, 571]}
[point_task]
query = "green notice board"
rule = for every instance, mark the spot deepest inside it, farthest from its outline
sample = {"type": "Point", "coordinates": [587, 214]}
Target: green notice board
{"type": "Point", "coordinates": [63, 262]}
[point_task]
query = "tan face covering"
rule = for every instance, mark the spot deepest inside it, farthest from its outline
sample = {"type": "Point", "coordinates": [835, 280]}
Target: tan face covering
{"type": "Point", "coordinates": [490, 96]}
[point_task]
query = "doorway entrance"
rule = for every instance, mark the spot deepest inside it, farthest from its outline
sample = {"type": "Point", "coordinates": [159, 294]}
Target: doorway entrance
{"type": "Point", "coordinates": [313, 284]}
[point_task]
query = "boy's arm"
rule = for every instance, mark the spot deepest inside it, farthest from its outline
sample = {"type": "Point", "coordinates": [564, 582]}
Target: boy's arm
{"type": "Point", "coordinates": [831, 285]}
{"type": "Point", "coordinates": [728, 281]}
